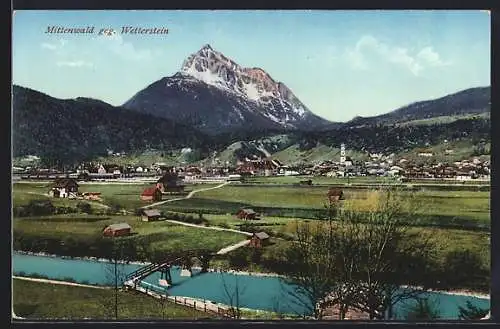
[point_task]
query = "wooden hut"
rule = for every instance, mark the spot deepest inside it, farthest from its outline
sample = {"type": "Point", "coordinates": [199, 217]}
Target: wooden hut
{"type": "Point", "coordinates": [115, 230]}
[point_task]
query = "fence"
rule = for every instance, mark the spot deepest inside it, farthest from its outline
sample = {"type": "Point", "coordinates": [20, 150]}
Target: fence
{"type": "Point", "coordinates": [200, 305]}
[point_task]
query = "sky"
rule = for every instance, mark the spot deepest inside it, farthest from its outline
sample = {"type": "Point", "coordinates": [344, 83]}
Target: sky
{"type": "Point", "coordinates": [340, 64]}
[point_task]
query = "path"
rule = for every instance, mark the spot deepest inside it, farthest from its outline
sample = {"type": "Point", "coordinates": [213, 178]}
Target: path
{"type": "Point", "coordinates": [233, 247]}
{"type": "Point", "coordinates": [215, 228]}
{"type": "Point", "coordinates": [189, 196]}
{"type": "Point", "coordinates": [65, 283]}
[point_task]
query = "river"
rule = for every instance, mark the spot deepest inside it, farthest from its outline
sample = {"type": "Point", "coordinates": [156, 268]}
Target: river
{"type": "Point", "coordinates": [255, 292]}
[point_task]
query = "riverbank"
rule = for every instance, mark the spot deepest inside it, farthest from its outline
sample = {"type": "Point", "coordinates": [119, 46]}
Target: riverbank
{"type": "Point", "coordinates": [35, 300]}
{"type": "Point", "coordinates": [455, 292]}
{"type": "Point", "coordinates": [65, 283]}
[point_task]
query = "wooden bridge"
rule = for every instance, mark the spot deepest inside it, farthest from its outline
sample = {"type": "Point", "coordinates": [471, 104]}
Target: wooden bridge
{"type": "Point", "coordinates": [165, 265]}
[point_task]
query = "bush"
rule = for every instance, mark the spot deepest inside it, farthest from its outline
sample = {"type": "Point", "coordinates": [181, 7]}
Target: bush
{"type": "Point", "coordinates": [84, 207]}
{"type": "Point", "coordinates": [463, 267]}
{"type": "Point", "coordinates": [40, 208]}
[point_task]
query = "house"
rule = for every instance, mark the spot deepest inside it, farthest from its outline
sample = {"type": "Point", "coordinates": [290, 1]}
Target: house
{"type": "Point", "coordinates": [259, 240]}
{"type": "Point", "coordinates": [170, 182]}
{"type": "Point", "coordinates": [335, 194]}
{"type": "Point", "coordinates": [151, 194]}
{"type": "Point", "coordinates": [246, 213]}
{"type": "Point", "coordinates": [149, 215]}
{"type": "Point", "coordinates": [62, 187]}
{"type": "Point", "coordinates": [101, 170]}
{"type": "Point", "coordinates": [114, 230]}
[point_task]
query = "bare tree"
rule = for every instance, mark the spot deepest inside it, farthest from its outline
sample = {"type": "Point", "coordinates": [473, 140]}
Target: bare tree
{"type": "Point", "coordinates": [359, 260]}
{"type": "Point", "coordinates": [115, 274]}
{"type": "Point", "coordinates": [388, 255]}
{"type": "Point", "coordinates": [163, 301]}
{"type": "Point", "coordinates": [233, 295]}
{"type": "Point", "coordinates": [309, 278]}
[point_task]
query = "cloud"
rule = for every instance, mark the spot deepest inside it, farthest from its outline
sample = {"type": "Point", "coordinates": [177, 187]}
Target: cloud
{"type": "Point", "coordinates": [54, 46]}
{"type": "Point", "coordinates": [369, 48]}
{"type": "Point", "coordinates": [126, 49]}
{"type": "Point", "coordinates": [431, 57]}
{"type": "Point", "coordinates": [78, 63]}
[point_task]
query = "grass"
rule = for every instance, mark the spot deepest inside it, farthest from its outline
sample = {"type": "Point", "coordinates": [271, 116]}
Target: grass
{"type": "Point", "coordinates": [36, 300]}
{"type": "Point", "coordinates": [126, 196]}
{"type": "Point", "coordinates": [164, 236]}
{"type": "Point", "coordinates": [446, 239]}
{"type": "Point", "coordinates": [464, 204]}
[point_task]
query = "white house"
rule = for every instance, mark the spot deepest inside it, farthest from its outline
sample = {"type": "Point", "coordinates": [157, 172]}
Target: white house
{"type": "Point", "coordinates": [139, 169]}
{"type": "Point", "coordinates": [101, 170]}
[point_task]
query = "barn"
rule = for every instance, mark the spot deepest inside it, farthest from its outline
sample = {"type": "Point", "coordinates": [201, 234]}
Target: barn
{"type": "Point", "coordinates": [149, 215]}
{"type": "Point", "coordinates": [335, 194]}
{"type": "Point", "coordinates": [62, 187]}
{"type": "Point", "coordinates": [151, 194]}
{"type": "Point", "coordinates": [113, 230]}
{"type": "Point", "coordinates": [259, 240]}
{"type": "Point", "coordinates": [247, 213]}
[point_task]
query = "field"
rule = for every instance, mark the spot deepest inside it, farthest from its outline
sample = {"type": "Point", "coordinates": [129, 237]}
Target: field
{"type": "Point", "coordinates": [162, 236]}
{"type": "Point", "coordinates": [125, 196]}
{"type": "Point", "coordinates": [436, 207]}
{"type": "Point", "coordinates": [36, 300]}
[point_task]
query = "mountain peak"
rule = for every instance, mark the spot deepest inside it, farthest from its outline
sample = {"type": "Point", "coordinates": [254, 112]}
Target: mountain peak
{"type": "Point", "coordinates": [254, 83]}
{"type": "Point", "coordinates": [207, 47]}
{"type": "Point", "coordinates": [216, 92]}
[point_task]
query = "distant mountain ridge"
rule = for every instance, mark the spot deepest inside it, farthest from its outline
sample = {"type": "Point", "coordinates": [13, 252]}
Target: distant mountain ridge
{"type": "Point", "coordinates": [468, 101]}
{"type": "Point", "coordinates": [215, 94]}
{"type": "Point", "coordinates": [82, 128]}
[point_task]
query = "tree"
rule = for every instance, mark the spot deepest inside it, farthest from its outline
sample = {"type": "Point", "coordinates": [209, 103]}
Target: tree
{"type": "Point", "coordinates": [233, 295]}
{"type": "Point", "coordinates": [463, 266]}
{"type": "Point", "coordinates": [310, 269]}
{"type": "Point", "coordinates": [423, 310]}
{"type": "Point", "coordinates": [471, 312]}
{"type": "Point", "coordinates": [360, 259]}
{"type": "Point", "coordinates": [115, 274]}
{"type": "Point", "coordinates": [389, 255]}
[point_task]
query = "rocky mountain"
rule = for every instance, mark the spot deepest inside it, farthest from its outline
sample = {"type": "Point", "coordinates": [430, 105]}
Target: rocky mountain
{"type": "Point", "coordinates": [70, 130]}
{"type": "Point", "coordinates": [215, 94]}
{"type": "Point", "coordinates": [466, 102]}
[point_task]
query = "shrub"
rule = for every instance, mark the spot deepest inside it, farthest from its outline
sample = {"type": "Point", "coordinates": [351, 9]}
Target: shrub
{"type": "Point", "coordinates": [40, 208]}
{"type": "Point", "coordinates": [84, 207]}
{"type": "Point", "coordinates": [224, 225]}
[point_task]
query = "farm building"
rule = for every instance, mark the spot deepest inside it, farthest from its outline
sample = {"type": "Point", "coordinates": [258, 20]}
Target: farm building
{"type": "Point", "coordinates": [170, 182]}
{"type": "Point", "coordinates": [120, 229]}
{"type": "Point", "coordinates": [62, 187]}
{"type": "Point", "coordinates": [335, 194]}
{"type": "Point", "coordinates": [246, 214]}
{"type": "Point", "coordinates": [151, 194]}
{"type": "Point", "coordinates": [149, 215]}
{"type": "Point", "coordinates": [259, 240]}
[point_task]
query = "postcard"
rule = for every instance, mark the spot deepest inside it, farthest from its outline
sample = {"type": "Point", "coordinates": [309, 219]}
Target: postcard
{"type": "Point", "coordinates": [305, 164]}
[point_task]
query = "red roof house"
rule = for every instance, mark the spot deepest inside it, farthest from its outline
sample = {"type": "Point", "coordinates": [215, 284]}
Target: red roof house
{"type": "Point", "coordinates": [151, 194]}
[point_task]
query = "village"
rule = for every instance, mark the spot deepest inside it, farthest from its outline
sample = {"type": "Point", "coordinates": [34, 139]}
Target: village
{"type": "Point", "coordinates": [378, 165]}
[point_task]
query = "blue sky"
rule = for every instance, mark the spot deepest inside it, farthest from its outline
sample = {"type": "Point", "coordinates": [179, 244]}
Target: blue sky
{"type": "Point", "coordinates": [340, 64]}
